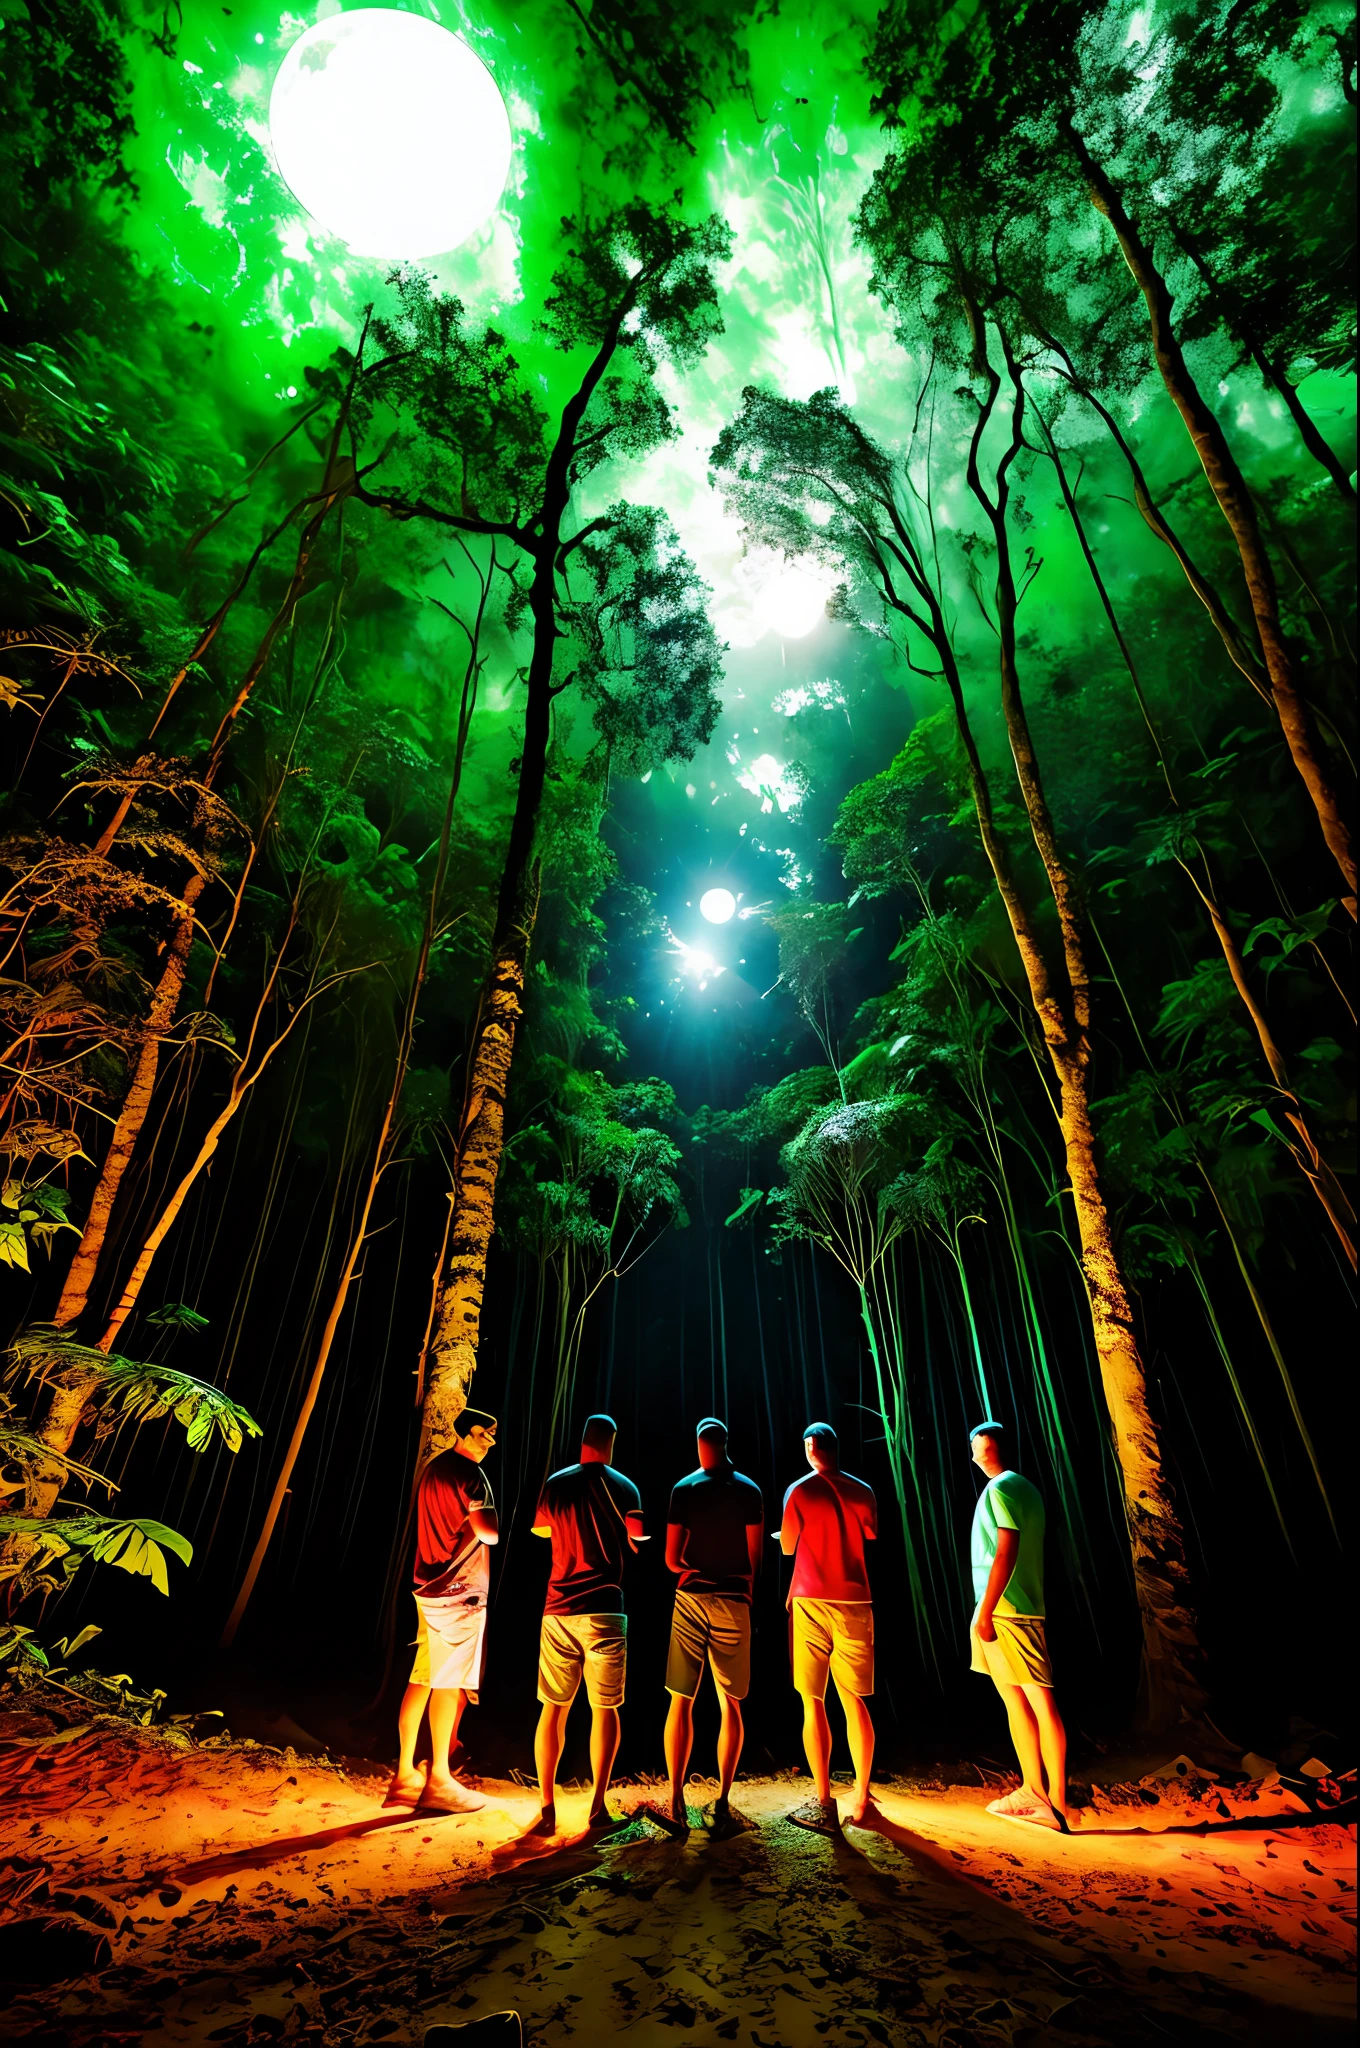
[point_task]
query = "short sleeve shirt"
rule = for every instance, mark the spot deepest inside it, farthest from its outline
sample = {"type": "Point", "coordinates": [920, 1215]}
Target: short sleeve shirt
{"type": "Point", "coordinates": [451, 1560]}
{"type": "Point", "coordinates": [1011, 1502]}
{"type": "Point", "coordinates": [585, 1507]}
{"type": "Point", "coordinates": [715, 1509]}
{"type": "Point", "coordinates": [830, 1517]}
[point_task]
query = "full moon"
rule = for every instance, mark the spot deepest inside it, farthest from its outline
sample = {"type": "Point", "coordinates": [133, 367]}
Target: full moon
{"type": "Point", "coordinates": [717, 905]}
{"type": "Point", "coordinates": [390, 132]}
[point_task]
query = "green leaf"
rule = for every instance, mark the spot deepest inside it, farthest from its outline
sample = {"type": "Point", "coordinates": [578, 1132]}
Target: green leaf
{"type": "Point", "coordinates": [177, 1315]}
{"type": "Point", "coordinates": [13, 1246]}
{"type": "Point", "coordinates": [751, 1199]}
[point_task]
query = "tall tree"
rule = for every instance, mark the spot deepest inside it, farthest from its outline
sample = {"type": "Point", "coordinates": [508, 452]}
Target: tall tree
{"type": "Point", "coordinates": [1035, 112]}
{"type": "Point", "coordinates": [610, 603]}
{"type": "Point", "coordinates": [809, 479]}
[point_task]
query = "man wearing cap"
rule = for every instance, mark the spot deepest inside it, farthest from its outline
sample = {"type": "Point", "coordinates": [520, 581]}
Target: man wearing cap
{"type": "Point", "coordinates": [1008, 1636]}
{"type": "Point", "coordinates": [455, 1528]}
{"type": "Point", "coordinates": [713, 1545]}
{"type": "Point", "coordinates": [594, 1517]}
{"type": "Point", "coordinates": [828, 1519]}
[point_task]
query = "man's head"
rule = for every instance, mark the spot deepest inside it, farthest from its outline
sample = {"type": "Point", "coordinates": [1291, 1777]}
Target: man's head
{"type": "Point", "coordinates": [821, 1448]}
{"type": "Point", "coordinates": [597, 1440]}
{"type": "Point", "coordinates": [989, 1444]}
{"type": "Point", "coordinates": [712, 1439]}
{"type": "Point", "coordinates": [474, 1434]}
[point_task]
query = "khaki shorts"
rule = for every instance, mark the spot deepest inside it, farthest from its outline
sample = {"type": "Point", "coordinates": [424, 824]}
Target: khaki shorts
{"type": "Point", "coordinates": [1019, 1654]}
{"type": "Point", "coordinates": [835, 1636]}
{"type": "Point", "coordinates": [576, 1646]}
{"type": "Point", "coordinates": [450, 1645]}
{"type": "Point", "coordinates": [709, 1625]}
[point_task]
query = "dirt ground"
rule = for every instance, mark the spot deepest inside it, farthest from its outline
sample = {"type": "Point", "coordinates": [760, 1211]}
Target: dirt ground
{"type": "Point", "coordinates": [156, 1892]}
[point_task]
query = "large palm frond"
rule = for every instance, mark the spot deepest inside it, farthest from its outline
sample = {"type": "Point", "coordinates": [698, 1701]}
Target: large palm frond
{"type": "Point", "coordinates": [137, 1391]}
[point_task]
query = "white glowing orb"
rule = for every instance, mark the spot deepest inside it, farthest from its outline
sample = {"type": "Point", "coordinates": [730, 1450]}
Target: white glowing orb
{"type": "Point", "coordinates": [717, 905]}
{"type": "Point", "coordinates": [792, 597]}
{"type": "Point", "coordinates": [390, 132]}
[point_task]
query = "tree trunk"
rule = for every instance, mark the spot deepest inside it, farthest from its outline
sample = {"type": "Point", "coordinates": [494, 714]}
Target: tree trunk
{"type": "Point", "coordinates": [1272, 372]}
{"type": "Point", "coordinates": [243, 1081]}
{"type": "Point", "coordinates": [75, 1291]}
{"type": "Point", "coordinates": [1171, 1689]}
{"type": "Point", "coordinates": [453, 1353]}
{"type": "Point", "coordinates": [1305, 1152]}
{"type": "Point", "coordinates": [1234, 498]}
{"type": "Point", "coordinates": [382, 1152]}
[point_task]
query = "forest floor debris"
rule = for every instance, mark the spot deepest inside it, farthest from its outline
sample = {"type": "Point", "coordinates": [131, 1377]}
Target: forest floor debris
{"type": "Point", "coordinates": [156, 1892]}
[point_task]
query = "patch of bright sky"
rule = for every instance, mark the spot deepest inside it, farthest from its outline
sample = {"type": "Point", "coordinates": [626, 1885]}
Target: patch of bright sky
{"type": "Point", "coordinates": [778, 784]}
{"type": "Point", "coordinates": [826, 694]}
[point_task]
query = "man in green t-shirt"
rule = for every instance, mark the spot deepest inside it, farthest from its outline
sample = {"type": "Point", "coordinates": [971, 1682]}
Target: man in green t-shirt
{"type": "Point", "coordinates": [1009, 1645]}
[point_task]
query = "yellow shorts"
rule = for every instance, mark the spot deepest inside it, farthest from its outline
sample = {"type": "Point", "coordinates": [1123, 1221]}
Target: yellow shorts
{"type": "Point", "coordinates": [835, 1636]}
{"type": "Point", "coordinates": [1019, 1654]}
{"type": "Point", "coordinates": [576, 1646]}
{"type": "Point", "coordinates": [712, 1626]}
{"type": "Point", "coordinates": [450, 1645]}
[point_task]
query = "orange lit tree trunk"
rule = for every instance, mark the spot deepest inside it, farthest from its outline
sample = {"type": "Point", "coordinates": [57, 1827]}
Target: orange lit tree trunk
{"type": "Point", "coordinates": [1171, 1687]}
{"type": "Point", "coordinates": [387, 1134]}
{"type": "Point", "coordinates": [165, 1002]}
{"type": "Point", "coordinates": [452, 1356]}
{"type": "Point", "coordinates": [132, 1115]}
{"type": "Point", "coordinates": [1230, 488]}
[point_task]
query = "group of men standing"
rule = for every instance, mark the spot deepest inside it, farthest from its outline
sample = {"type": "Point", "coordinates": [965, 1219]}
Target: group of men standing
{"type": "Point", "coordinates": [592, 1515]}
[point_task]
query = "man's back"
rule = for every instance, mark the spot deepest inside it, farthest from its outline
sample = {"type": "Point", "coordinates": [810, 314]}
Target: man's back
{"type": "Point", "coordinates": [586, 1507]}
{"type": "Point", "coordinates": [830, 1516]}
{"type": "Point", "coordinates": [715, 1509]}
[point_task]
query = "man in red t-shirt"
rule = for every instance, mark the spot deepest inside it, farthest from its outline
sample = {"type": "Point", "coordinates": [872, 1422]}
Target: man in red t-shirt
{"type": "Point", "coordinates": [828, 1519]}
{"type": "Point", "coordinates": [455, 1527]}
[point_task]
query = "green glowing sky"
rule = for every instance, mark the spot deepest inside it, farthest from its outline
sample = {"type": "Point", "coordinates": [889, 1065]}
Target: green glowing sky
{"type": "Point", "coordinates": [785, 163]}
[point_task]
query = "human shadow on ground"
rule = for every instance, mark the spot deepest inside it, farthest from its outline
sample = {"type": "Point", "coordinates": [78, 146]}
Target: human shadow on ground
{"type": "Point", "coordinates": [259, 1855]}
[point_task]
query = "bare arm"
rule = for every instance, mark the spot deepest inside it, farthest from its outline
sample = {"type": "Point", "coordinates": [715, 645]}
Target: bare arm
{"type": "Point", "coordinates": [541, 1529]}
{"type": "Point", "coordinates": [485, 1524]}
{"type": "Point", "coordinates": [675, 1545]}
{"type": "Point", "coordinates": [1003, 1564]}
{"type": "Point", "coordinates": [788, 1535]}
{"type": "Point", "coordinates": [755, 1545]}
{"type": "Point", "coordinates": [636, 1533]}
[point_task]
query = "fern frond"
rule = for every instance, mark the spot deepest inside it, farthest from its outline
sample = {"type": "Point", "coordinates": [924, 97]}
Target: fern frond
{"type": "Point", "coordinates": [139, 1392]}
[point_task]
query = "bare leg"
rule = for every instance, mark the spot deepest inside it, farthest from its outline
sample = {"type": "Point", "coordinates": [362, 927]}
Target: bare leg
{"type": "Point", "coordinates": [1025, 1736]}
{"type": "Point", "coordinates": [679, 1747]}
{"type": "Point", "coordinates": [731, 1734]}
{"type": "Point", "coordinates": [605, 1729]}
{"type": "Point", "coordinates": [817, 1745]}
{"type": "Point", "coordinates": [446, 1711]}
{"type": "Point", "coordinates": [859, 1729]}
{"type": "Point", "coordinates": [1053, 1746]}
{"type": "Point", "coordinates": [409, 1780]}
{"type": "Point", "coordinates": [548, 1741]}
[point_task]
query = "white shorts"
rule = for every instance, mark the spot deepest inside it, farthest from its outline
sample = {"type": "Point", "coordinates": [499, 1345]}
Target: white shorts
{"type": "Point", "coordinates": [450, 1645]}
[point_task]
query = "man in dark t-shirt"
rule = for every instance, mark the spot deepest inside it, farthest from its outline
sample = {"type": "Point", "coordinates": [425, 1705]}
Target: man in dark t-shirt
{"type": "Point", "coordinates": [455, 1527]}
{"type": "Point", "coordinates": [713, 1545]}
{"type": "Point", "coordinates": [828, 1519]}
{"type": "Point", "coordinates": [594, 1518]}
